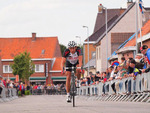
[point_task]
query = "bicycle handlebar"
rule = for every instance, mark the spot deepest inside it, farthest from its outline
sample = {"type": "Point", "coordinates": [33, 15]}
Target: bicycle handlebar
{"type": "Point", "coordinates": [72, 67]}
{"type": "Point", "coordinates": [64, 68]}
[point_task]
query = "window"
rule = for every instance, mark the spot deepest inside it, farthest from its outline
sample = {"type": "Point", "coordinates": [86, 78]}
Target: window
{"type": "Point", "coordinates": [93, 54]}
{"type": "Point", "coordinates": [7, 69]}
{"type": "Point", "coordinates": [39, 68]}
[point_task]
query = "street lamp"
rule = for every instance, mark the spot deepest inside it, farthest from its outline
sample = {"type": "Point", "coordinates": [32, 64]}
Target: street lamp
{"type": "Point", "coordinates": [80, 39]}
{"type": "Point", "coordinates": [101, 7]}
{"type": "Point", "coordinates": [88, 48]}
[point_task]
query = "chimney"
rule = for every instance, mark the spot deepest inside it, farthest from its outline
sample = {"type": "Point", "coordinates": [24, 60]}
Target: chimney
{"type": "Point", "coordinates": [33, 36]}
{"type": "Point", "coordinates": [129, 2]}
{"type": "Point", "coordinates": [100, 8]}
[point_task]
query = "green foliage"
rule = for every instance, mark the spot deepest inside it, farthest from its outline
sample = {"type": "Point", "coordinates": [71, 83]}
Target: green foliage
{"type": "Point", "coordinates": [23, 66]}
{"type": "Point", "coordinates": [81, 47]}
{"type": "Point", "coordinates": [27, 92]}
{"type": "Point", "coordinates": [62, 47]}
{"type": "Point", "coordinates": [19, 93]}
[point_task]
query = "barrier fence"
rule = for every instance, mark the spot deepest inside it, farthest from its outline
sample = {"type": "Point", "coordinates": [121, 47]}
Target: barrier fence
{"type": "Point", "coordinates": [53, 91]}
{"type": "Point", "coordinates": [140, 89]}
{"type": "Point", "coordinates": [8, 94]}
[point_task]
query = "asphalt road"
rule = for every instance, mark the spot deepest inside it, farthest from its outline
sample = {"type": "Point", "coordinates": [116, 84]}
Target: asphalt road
{"type": "Point", "coordinates": [58, 104]}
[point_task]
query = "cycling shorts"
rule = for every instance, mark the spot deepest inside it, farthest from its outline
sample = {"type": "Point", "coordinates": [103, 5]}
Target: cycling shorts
{"type": "Point", "coordinates": [68, 64]}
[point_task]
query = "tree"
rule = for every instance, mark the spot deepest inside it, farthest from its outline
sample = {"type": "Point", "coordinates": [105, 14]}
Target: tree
{"type": "Point", "coordinates": [23, 66]}
{"type": "Point", "coordinates": [62, 47]}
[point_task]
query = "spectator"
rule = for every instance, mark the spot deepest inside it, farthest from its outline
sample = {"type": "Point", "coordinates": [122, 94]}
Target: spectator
{"type": "Point", "coordinates": [4, 82]}
{"type": "Point", "coordinates": [103, 81]}
{"type": "Point", "coordinates": [104, 77]}
{"type": "Point", "coordinates": [17, 87]}
{"type": "Point", "coordinates": [45, 89]}
{"type": "Point", "coordinates": [109, 76]}
{"type": "Point", "coordinates": [121, 73]}
{"type": "Point", "coordinates": [39, 86]}
{"type": "Point", "coordinates": [123, 61]}
{"type": "Point", "coordinates": [132, 72]}
{"type": "Point", "coordinates": [21, 88]}
{"type": "Point", "coordinates": [28, 87]}
{"type": "Point", "coordinates": [114, 75]}
{"type": "Point", "coordinates": [98, 77]}
{"type": "Point", "coordinates": [93, 79]}
{"type": "Point", "coordinates": [8, 83]}
{"type": "Point", "coordinates": [89, 79]}
{"type": "Point", "coordinates": [146, 52]}
{"type": "Point", "coordinates": [11, 84]}
{"type": "Point", "coordinates": [63, 88]}
{"type": "Point", "coordinates": [82, 82]}
{"type": "Point", "coordinates": [1, 84]}
{"type": "Point", "coordinates": [58, 89]}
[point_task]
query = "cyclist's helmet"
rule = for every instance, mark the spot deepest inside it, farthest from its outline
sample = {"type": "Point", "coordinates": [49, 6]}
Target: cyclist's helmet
{"type": "Point", "coordinates": [72, 44]}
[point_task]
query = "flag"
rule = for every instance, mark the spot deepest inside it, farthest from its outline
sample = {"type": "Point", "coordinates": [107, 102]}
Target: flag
{"type": "Point", "coordinates": [141, 9]}
{"type": "Point", "coordinates": [141, 6]}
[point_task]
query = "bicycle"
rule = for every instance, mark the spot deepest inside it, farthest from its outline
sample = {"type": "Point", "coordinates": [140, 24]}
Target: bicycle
{"type": "Point", "coordinates": [73, 88]}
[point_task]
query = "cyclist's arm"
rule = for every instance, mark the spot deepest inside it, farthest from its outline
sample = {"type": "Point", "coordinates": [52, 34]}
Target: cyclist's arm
{"type": "Point", "coordinates": [80, 56]}
{"type": "Point", "coordinates": [80, 60]}
{"type": "Point", "coordinates": [63, 62]}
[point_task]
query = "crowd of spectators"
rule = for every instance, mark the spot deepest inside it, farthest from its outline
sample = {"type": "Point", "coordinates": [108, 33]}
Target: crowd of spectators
{"type": "Point", "coordinates": [127, 68]}
{"type": "Point", "coordinates": [51, 89]}
{"type": "Point", "coordinates": [6, 83]}
{"type": "Point", "coordinates": [36, 89]}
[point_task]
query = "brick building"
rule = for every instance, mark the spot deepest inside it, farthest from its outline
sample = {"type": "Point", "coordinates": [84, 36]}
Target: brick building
{"type": "Point", "coordinates": [44, 52]}
{"type": "Point", "coordinates": [99, 30]}
{"type": "Point", "coordinates": [130, 47]}
{"type": "Point", "coordinates": [120, 30]}
{"type": "Point", "coordinates": [0, 67]}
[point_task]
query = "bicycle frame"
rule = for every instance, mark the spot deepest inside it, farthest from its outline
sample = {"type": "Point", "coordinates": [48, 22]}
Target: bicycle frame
{"type": "Point", "coordinates": [73, 89]}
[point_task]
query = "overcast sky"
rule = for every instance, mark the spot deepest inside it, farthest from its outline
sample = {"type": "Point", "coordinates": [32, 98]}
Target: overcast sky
{"type": "Point", "coordinates": [62, 18]}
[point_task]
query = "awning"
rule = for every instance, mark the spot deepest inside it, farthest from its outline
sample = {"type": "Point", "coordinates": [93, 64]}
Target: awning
{"type": "Point", "coordinates": [91, 63]}
{"type": "Point", "coordinates": [58, 78]}
{"type": "Point", "coordinates": [12, 78]}
{"type": "Point", "coordinates": [37, 79]}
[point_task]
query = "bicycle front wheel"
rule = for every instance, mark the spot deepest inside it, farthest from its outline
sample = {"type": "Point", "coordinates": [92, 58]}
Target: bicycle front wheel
{"type": "Point", "coordinates": [73, 97]}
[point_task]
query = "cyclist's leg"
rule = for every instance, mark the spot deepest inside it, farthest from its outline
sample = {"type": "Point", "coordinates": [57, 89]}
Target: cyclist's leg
{"type": "Point", "coordinates": [68, 74]}
{"type": "Point", "coordinates": [78, 73]}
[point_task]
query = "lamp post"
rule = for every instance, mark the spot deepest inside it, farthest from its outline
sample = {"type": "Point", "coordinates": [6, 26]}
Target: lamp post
{"type": "Point", "coordinates": [101, 7]}
{"type": "Point", "coordinates": [80, 39]}
{"type": "Point", "coordinates": [88, 47]}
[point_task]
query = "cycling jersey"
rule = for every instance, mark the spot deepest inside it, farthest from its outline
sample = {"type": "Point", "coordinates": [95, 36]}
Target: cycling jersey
{"type": "Point", "coordinates": [72, 58]}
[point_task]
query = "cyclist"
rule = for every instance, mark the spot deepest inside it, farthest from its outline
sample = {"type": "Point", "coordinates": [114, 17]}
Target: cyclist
{"type": "Point", "coordinates": [72, 56]}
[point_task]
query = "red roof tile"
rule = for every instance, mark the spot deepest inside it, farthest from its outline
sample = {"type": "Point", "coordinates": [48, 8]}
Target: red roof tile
{"type": "Point", "coordinates": [57, 63]}
{"type": "Point", "coordinates": [10, 47]}
{"type": "Point", "coordinates": [145, 30]}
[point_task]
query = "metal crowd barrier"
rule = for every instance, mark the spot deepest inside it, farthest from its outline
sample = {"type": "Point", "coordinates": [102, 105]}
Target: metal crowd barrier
{"type": "Point", "coordinates": [139, 93]}
{"type": "Point", "coordinates": [48, 91]}
{"type": "Point", "coordinates": [8, 94]}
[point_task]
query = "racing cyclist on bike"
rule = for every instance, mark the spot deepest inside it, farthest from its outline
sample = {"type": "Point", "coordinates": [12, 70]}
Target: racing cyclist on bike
{"type": "Point", "coordinates": [72, 56]}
